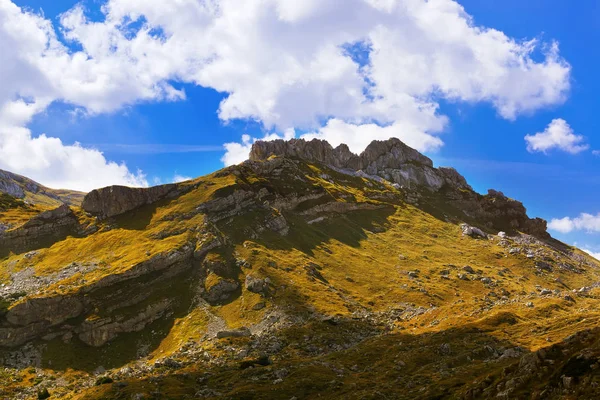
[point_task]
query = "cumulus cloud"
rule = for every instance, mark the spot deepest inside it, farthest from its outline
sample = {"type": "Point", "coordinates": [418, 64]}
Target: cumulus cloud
{"type": "Point", "coordinates": [236, 153]}
{"type": "Point", "coordinates": [336, 132]}
{"type": "Point", "coordinates": [342, 70]}
{"type": "Point", "coordinates": [35, 68]}
{"type": "Point", "coordinates": [584, 222]}
{"type": "Point", "coordinates": [558, 135]}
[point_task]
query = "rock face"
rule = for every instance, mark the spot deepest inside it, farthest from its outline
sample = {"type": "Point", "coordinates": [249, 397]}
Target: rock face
{"type": "Point", "coordinates": [48, 226]}
{"type": "Point", "coordinates": [36, 317]}
{"type": "Point", "coordinates": [390, 159]}
{"type": "Point", "coordinates": [404, 166]}
{"type": "Point", "coordinates": [114, 200]}
{"type": "Point", "coordinates": [9, 185]}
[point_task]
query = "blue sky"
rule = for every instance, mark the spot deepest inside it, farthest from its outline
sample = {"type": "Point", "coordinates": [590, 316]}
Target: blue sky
{"type": "Point", "coordinates": [166, 135]}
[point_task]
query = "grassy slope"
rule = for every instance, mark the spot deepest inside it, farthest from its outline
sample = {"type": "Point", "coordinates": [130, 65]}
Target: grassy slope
{"type": "Point", "coordinates": [363, 258]}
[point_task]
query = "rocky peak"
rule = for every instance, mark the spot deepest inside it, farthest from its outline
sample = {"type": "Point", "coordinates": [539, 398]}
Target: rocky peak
{"type": "Point", "coordinates": [390, 159]}
{"type": "Point", "coordinates": [405, 167]}
{"type": "Point", "coordinates": [391, 153]}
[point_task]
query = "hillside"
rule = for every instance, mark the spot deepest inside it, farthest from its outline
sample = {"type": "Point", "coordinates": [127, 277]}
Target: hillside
{"type": "Point", "coordinates": [304, 272]}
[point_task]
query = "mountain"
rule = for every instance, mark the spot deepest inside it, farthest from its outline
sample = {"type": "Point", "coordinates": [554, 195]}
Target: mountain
{"type": "Point", "coordinates": [304, 272]}
{"type": "Point", "coordinates": [32, 192]}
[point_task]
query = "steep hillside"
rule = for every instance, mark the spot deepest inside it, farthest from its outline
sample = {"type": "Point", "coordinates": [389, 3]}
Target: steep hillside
{"type": "Point", "coordinates": [32, 192]}
{"type": "Point", "coordinates": [305, 272]}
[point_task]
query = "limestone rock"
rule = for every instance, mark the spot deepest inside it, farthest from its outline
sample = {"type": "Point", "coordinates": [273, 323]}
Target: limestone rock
{"type": "Point", "coordinates": [242, 332]}
{"type": "Point", "coordinates": [390, 159]}
{"type": "Point", "coordinates": [410, 171]}
{"type": "Point", "coordinates": [257, 285]}
{"type": "Point", "coordinates": [100, 331]}
{"type": "Point", "coordinates": [48, 226]}
{"type": "Point", "coordinates": [114, 200]}
{"type": "Point", "coordinates": [472, 231]}
{"type": "Point", "coordinates": [219, 289]}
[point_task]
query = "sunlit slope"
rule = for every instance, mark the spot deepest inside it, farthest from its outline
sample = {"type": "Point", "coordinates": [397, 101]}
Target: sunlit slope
{"type": "Point", "coordinates": [345, 288]}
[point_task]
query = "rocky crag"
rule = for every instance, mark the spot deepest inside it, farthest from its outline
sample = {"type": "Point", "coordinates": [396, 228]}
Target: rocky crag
{"type": "Point", "coordinates": [402, 165]}
{"type": "Point", "coordinates": [305, 271]}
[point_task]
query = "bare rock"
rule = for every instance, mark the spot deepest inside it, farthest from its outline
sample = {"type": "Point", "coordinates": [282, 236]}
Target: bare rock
{"type": "Point", "coordinates": [257, 285]}
{"type": "Point", "coordinates": [242, 332]}
{"type": "Point", "coordinates": [472, 231]}
{"type": "Point", "coordinates": [114, 200]}
{"type": "Point", "coordinates": [220, 289]}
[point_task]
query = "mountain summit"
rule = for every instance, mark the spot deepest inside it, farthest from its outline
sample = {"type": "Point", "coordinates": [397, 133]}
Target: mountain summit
{"type": "Point", "coordinates": [307, 271]}
{"type": "Point", "coordinates": [413, 173]}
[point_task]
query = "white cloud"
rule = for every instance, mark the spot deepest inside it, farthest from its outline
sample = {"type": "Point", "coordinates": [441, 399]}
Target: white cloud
{"type": "Point", "coordinates": [281, 62]}
{"type": "Point", "coordinates": [236, 153]}
{"type": "Point", "coordinates": [181, 178]}
{"type": "Point", "coordinates": [584, 222]}
{"type": "Point", "coordinates": [558, 135]}
{"type": "Point", "coordinates": [49, 161]}
{"type": "Point", "coordinates": [594, 254]}
{"type": "Point", "coordinates": [34, 69]}
{"type": "Point", "coordinates": [596, 152]}
{"type": "Point", "coordinates": [357, 137]}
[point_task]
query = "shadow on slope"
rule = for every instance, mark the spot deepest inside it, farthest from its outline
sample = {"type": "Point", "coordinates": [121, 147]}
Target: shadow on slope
{"type": "Point", "coordinates": [349, 229]}
{"type": "Point", "coordinates": [180, 290]}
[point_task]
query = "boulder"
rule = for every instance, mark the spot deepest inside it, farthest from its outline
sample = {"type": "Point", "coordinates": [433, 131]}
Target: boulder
{"type": "Point", "coordinates": [472, 231]}
{"type": "Point", "coordinates": [218, 289]}
{"type": "Point", "coordinates": [257, 285]}
{"type": "Point", "coordinates": [241, 332]}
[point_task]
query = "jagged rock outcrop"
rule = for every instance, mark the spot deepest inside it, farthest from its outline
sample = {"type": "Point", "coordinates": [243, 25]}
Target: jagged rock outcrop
{"type": "Point", "coordinates": [115, 200]}
{"type": "Point", "coordinates": [46, 227]}
{"type": "Point", "coordinates": [499, 212]}
{"type": "Point", "coordinates": [404, 166]}
{"type": "Point", "coordinates": [390, 159]}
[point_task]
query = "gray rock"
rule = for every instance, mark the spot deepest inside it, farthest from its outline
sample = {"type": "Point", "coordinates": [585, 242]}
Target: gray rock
{"type": "Point", "coordinates": [472, 231]}
{"type": "Point", "coordinates": [468, 269]}
{"type": "Point", "coordinates": [257, 285]}
{"type": "Point", "coordinates": [390, 159]}
{"type": "Point", "coordinates": [445, 349]}
{"type": "Point", "coordinates": [242, 332]}
{"type": "Point", "coordinates": [114, 200]}
{"type": "Point", "coordinates": [223, 290]}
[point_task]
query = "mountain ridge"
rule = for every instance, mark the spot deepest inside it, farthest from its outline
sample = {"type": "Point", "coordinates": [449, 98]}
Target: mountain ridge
{"type": "Point", "coordinates": [283, 277]}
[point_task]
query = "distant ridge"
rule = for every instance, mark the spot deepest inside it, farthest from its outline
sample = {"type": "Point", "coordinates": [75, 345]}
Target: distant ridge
{"type": "Point", "coordinates": [32, 192]}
